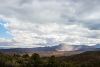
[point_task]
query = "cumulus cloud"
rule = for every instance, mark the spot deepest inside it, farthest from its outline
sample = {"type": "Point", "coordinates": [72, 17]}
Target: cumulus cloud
{"type": "Point", "coordinates": [35, 23]}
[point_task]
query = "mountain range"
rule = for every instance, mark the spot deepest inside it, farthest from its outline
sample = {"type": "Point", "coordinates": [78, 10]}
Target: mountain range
{"type": "Point", "coordinates": [60, 47]}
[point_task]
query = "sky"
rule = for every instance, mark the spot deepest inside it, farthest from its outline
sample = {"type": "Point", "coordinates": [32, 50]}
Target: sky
{"type": "Point", "coordinates": [39, 23]}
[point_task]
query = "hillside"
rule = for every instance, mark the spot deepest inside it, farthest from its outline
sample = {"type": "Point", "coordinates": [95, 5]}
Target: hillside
{"type": "Point", "coordinates": [84, 57]}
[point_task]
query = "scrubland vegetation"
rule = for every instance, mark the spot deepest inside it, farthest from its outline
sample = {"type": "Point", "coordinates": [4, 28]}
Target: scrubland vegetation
{"type": "Point", "coordinates": [86, 59]}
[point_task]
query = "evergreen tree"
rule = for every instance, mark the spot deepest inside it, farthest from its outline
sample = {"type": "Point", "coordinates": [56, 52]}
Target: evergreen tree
{"type": "Point", "coordinates": [25, 56]}
{"type": "Point", "coordinates": [35, 60]}
{"type": "Point", "coordinates": [52, 62]}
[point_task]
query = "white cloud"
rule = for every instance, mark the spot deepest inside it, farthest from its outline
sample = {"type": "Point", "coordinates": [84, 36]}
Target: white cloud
{"type": "Point", "coordinates": [5, 40]}
{"type": "Point", "coordinates": [52, 21]}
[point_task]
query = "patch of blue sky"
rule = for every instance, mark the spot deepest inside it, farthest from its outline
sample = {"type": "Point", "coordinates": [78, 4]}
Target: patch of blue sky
{"type": "Point", "coordinates": [4, 33]}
